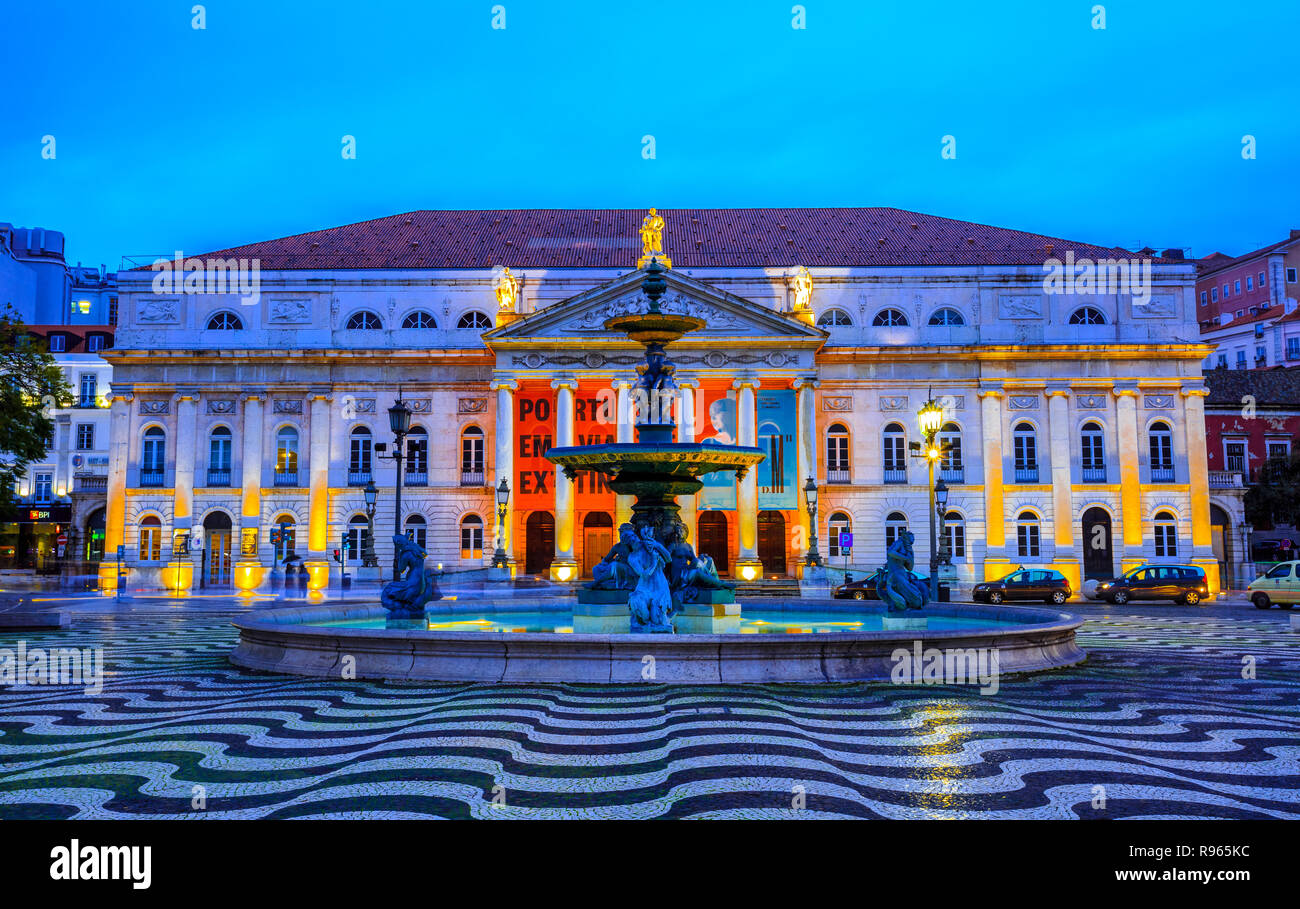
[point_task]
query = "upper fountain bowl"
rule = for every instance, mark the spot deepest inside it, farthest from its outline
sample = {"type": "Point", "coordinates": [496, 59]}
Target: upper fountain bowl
{"type": "Point", "coordinates": [654, 327]}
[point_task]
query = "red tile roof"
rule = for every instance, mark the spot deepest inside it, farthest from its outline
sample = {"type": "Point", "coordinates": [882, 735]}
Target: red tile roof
{"type": "Point", "coordinates": [694, 237]}
{"type": "Point", "coordinates": [1217, 262]}
{"type": "Point", "coordinates": [1272, 312]}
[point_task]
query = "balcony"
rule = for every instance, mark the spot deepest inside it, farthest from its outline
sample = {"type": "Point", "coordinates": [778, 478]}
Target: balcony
{"type": "Point", "coordinates": [1094, 474]}
{"type": "Point", "coordinates": [359, 477]}
{"type": "Point", "coordinates": [218, 477]}
{"type": "Point", "coordinates": [896, 475]}
{"type": "Point", "coordinates": [838, 475]}
{"type": "Point", "coordinates": [954, 474]}
{"type": "Point", "coordinates": [1226, 479]}
{"type": "Point", "coordinates": [415, 478]}
{"type": "Point", "coordinates": [1163, 474]}
{"type": "Point", "coordinates": [1027, 473]}
{"type": "Point", "coordinates": [471, 478]}
{"type": "Point", "coordinates": [151, 477]}
{"type": "Point", "coordinates": [286, 478]}
{"type": "Point", "coordinates": [88, 403]}
{"type": "Point", "coordinates": [91, 483]}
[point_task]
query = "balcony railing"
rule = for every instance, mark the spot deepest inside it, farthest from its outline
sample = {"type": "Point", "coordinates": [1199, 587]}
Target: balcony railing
{"type": "Point", "coordinates": [88, 402]}
{"type": "Point", "coordinates": [954, 474]}
{"type": "Point", "coordinates": [1027, 473]}
{"type": "Point", "coordinates": [895, 474]}
{"type": "Point", "coordinates": [1226, 479]}
{"type": "Point", "coordinates": [1162, 474]}
{"type": "Point", "coordinates": [471, 478]}
{"type": "Point", "coordinates": [151, 477]}
{"type": "Point", "coordinates": [286, 478]}
{"type": "Point", "coordinates": [839, 476]}
{"type": "Point", "coordinates": [92, 483]}
{"type": "Point", "coordinates": [359, 477]}
{"type": "Point", "coordinates": [415, 478]}
{"type": "Point", "coordinates": [1094, 474]}
{"type": "Point", "coordinates": [218, 477]}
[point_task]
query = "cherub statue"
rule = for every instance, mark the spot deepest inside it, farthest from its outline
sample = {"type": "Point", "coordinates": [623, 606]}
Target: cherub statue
{"type": "Point", "coordinates": [413, 586]}
{"type": "Point", "coordinates": [651, 601]}
{"type": "Point", "coordinates": [613, 571]}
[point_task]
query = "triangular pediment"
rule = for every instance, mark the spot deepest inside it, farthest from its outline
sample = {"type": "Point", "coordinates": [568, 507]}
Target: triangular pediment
{"type": "Point", "coordinates": [725, 314]}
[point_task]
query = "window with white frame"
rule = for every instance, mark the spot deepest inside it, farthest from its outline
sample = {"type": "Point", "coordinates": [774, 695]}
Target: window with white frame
{"type": "Point", "coordinates": [1160, 448]}
{"type": "Point", "coordinates": [1290, 276]}
{"type": "Point", "coordinates": [894, 450]}
{"type": "Point", "coordinates": [151, 539]}
{"type": "Point", "coordinates": [471, 457]}
{"type": "Point", "coordinates": [889, 318]}
{"type": "Point", "coordinates": [475, 320]}
{"type": "Point", "coordinates": [837, 454]}
{"type": "Point", "coordinates": [1250, 283]}
{"type": "Point", "coordinates": [834, 318]}
{"type": "Point", "coordinates": [58, 343]}
{"type": "Point", "coordinates": [1293, 348]}
{"type": "Point", "coordinates": [1027, 541]}
{"type": "Point", "coordinates": [954, 529]}
{"type": "Point", "coordinates": [1236, 286]}
{"type": "Point", "coordinates": [1204, 298]}
{"type": "Point", "coordinates": [1214, 295]}
{"type": "Point", "coordinates": [359, 453]}
{"type": "Point", "coordinates": [416, 530]}
{"type": "Point", "coordinates": [1093, 456]}
{"type": "Point", "coordinates": [947, 316]}
{"type": "Point", "coordinates": [895, 525]}
{"type": "Point", "coordinates": [1262, 281]}
{"type": "Point", "coordinates": [1234, 455]}
{"type": "Point", "coordinates": [471, 537]}
{"type": "Point", "coordinates": [89, 391]}
{"type": "Point", "coordinates": [358, 538]}
{"type": "Point", "coordinates": [839, 523]}
{"type": "Point", "coordinates": [950, 445]}
{"type": "Point", "coordinates": [85, 437]}
{"type": "Point", "coordinates": [1166, 529]}
{"type": "Point", "coordinates": [44, 488]}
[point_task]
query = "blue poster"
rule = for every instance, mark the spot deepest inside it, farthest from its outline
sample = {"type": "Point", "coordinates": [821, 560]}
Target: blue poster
{"type": "Point", "coordinates": [719, 492]}
{"type": "Point", "coordinates": [778, 485]}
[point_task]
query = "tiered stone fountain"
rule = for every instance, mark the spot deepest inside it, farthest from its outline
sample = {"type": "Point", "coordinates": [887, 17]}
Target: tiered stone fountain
{"type": "Point", "coordinates": [652, 580]}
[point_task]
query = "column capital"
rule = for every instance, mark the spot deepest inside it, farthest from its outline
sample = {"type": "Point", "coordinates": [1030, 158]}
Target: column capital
{"type": "Point", "coordinates": [809, 382]}
{"type": "Point", "coordinates": [688, 383]}
{"type": "Point", "coordinates": [1125, 391]}
{"type": "Point", "coordinates": [990, 391]}
{"type": "Point", "coordinates": [746, 382]}
{"type": "Point", "coordinates": [624, 382]}
{"type": "Point", "coordinates": [253, 394]}
{"type": "Point", "coordinates": [565, 380]}
{"type": "Point", "coordinates": [1058, 391]}
{"type": "Point", "coordinates": [1195, 391]}
{"type": "Point", "coordinates": [503, 383]}
{"type": "Point", "coordinates": [121, 390]}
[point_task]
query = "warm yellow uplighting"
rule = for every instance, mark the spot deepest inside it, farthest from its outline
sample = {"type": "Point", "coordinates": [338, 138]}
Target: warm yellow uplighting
{"type": "Point", "coordinates": [63, 491]}
{"type": "Point", "coordinates": [248, 575]}
{"type": "Point", "coordinates": [749, 572]}
{"type": "Point", "coordinates": [318, 575]}
{"type": "Point", "coordinates": [178, 576]}
{"type": "Point", "coordinates": [564, 572]}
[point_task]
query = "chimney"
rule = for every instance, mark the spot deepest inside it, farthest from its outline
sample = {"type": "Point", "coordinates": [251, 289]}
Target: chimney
{"type": "Point", "coordinates": [1172, 254]}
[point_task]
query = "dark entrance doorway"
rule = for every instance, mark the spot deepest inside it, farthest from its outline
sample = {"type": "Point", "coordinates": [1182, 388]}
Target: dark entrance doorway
{"type": "Point", "coordinates": [93, 541]}
{"type": "Point", "coordinates": [597, 538]}
{"type": "Point", "coordinates": [1098, 549]}
{"type": "Point", "coordinates": [1221, 543]}
{"type": "Point", "coordinates": [712, 529]}
{"type": "Point", "coordinates": [539, 542]}
{"type": "Point", "coordinates": [771, 542]}
{"type": "Point", "coordinates": [217, 535]}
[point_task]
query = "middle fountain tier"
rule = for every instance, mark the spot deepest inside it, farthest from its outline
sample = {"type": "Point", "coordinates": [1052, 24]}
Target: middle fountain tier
{"type": "Point", "coordinates": [652, 580]}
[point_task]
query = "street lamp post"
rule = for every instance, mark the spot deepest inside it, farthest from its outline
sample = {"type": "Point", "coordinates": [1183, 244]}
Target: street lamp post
{"type": "Point", "coordinates": [931, 419]}
{"type": "Point", "coordinates": [813, 559]}
{"type": "Point", "coordinates": [499, 559]}
{"type": "Point", "coordinates": [399, 421]}
{"type": "Point", "coordinates": [371, 493]}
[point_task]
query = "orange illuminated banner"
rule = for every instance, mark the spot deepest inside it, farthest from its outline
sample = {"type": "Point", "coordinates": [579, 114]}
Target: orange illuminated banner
{"type": "Point", "coordinates": [593, 424]}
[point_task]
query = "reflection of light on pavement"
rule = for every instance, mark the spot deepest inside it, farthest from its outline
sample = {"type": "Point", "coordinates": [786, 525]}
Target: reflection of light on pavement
{"type": "Point", "coordinates": [941, 775]}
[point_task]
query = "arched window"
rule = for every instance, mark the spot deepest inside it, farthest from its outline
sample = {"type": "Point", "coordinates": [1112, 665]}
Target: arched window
{"type": "Point", "coordinates": [894, 447]}
{"type": "Point", "coordinates": [153, 459]}
{"type": "Point", "coordinates": [471, 537]}
{"type": "Point", "coordinates": [415, 530]}
{"type": "Point", "coordinates": [954, 534]}
{"type": "Point", "coordinates": [474, 319]}
{"type": "Point", "coordinates": [1087, 315]}
{"type": "Point", "coordinates": [893, 317]}
{"type": "Point", "coordinates": [471, 457]}
{"type": "Point", "coordinates": [358, 538]}
{"type": "Point", "coordinates": [286, 456]}
{"type": "Point", "coordinates": [837, 454]}
{"type": "Point", "coordinates": [1166, 536]}
{"type": "Point", "coordinates": [951, 468]}
{"type": "Point", "coordinates": [364, 321]}
{"type": "Point", "coordinates": [419, 319]}
{"type": "Point", "coordinates": [1025, 445]}
{"type": "Point", "coordinates": [283, 534]}
{"type": "Point", "coordinates": [1027, 535]}
{"type": "Point", "coordinates": [839, 523]}
{"type": "Point", "coordinates": [947, 316]}
{"type": "Point", "coordinates": [1161, 448]}
{"type": "Point", "coordinates": [1093, 458]}
{"type": "Point", "coordinates": [417, 457]}
{"type": "Point", "coordinates": [834, 318]}
{"type": "Point", "coordinates": [359, 457]}
{"type": "Point", "coordinates": [225, 321]}
{"type": "Point", "coordinates": [219, 449]}
{"type": "Point", "coordinates": [895, 524]}
{"type": "Point", "coordinates": [151, 539]}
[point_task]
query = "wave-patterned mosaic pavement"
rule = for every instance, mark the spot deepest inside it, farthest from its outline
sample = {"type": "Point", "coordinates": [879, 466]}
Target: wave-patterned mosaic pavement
{"type": "Point", "coordinates": [1159, 722]}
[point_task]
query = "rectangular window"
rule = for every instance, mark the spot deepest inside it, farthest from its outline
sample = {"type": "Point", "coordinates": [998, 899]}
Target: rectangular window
{"type": "Point", "coordinates": [112, 310]}
{"type": "Point", "coordinates": [1204, 297]}
{"type": "Point", "coordinates": [1293, 348]}
{"type": "Point", "coordinates": [1261, 355]}
{"type": "Point", "coordinates": [1250, 283]}
{"type": "Point", "coordinates": [89, 392]}
{"type": "Point", "coordinates": [1166, 541]}
{"type": "Point", "coordinates": [894, 457]}
{"type": "Point", "coordinates": [44, 489]}
{"type": "Point", "coordinates": [1027, 540]}
{"type": "Point", "coordinates": [95, 343]}
{"type": "Point", "coordinates": [1026, 448]}
{"type": "Point", "coordinates": [1279, 451]}
{"type": "Point", "coordinates": [1261, 279]}
{"type": "Point", "coordinates": [956, 534]}
{"type": "Point", "coordinates": [85, 437]}
{"type": "Point", "coordinates": [58, 343]}
{"type": "Point", "coordinates": [471, 541]}
{"type": "Point", "coordinates": [1290, 276]}
{"type": "Point", "coordinates": [1241, 359]}
{"type": "Point", "coordinates": [1226, 292]}
{"type": "Point", "coordinates": [1234, 455]}
{"type": "Point", "coordinates": [1223, 360]}
{"type": "Point", "coordinates": [1214, 295]}
{"type": "Point", "coordinates": [150, 543]}
{"type": "Point", "coordinates": [1236, 287]}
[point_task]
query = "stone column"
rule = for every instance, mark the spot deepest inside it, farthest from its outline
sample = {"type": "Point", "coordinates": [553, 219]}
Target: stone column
{"type": "Point", "coordinates": [806, 409]}
{"type": "Point", "coordinates": [119, 442]}
{"type": "Point", "coordinates": [317, 560]}
{"type": "Point", "coordinates": [248, 568]}
{"type": "Point", "coordinates": [1130, 483]}
{"type": "Point", "coordinates": [748, 567]}
{"type": "Point", "coordinates": [505, 465]}
{"type": "Point", "coordinates": [624, 431]}
{"type": "Point", "coordinates": [564, 567]}
{"type": "Point", "coordinates": [181, 573]}
{"type": "Point", "coordinates": [1198, 482]}
{"type": "Point", "coordinates": [689, 505]}
{"type": "Point", "coordinates": [995, 530]}
{"type": "Point", "coordinates": [1066, 558]}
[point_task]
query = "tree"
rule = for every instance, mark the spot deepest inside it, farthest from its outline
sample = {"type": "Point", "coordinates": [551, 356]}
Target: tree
{"type": "Point", "coordinates": [1275, 497]}
{"type": "Point", "coordinates": [31, 385]}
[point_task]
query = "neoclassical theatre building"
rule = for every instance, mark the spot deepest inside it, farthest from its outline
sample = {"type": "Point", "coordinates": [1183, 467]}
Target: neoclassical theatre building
{"type": "Point", "coordinates": [246, 427]}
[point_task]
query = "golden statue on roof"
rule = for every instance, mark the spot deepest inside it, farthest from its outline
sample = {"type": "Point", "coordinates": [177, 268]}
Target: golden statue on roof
{"type": "Point", "coordinates": [507, 291]}
{"type": "Point", "coordinates": [652, 240]}
{"type": "Point", "coordinates": [803, 288]}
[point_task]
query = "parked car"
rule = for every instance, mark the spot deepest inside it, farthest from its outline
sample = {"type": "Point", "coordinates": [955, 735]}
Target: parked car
{"type": "Point", "coordinates": [1273, 550]}
{"type": "Point", "coordinates": [1026, 584]}
{"type": "Point", "coordinates": [865, 588]}
{"type": "Point", "coordinates": [1180, 583]}
{"type": "Point", "coordinates": [1280, 585]}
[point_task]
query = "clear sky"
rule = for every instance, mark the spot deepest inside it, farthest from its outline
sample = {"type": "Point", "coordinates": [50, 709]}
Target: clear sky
{"type": "Point", "coordinates": [167, 137]}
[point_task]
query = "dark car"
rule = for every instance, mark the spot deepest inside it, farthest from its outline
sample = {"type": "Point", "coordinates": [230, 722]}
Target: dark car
{"type": "Point", "coordinates": [1180, 583]}
{"type": "Point", "coordinates": [1026, 584]}
{"type": "Point", "coordinates": [865, 588]}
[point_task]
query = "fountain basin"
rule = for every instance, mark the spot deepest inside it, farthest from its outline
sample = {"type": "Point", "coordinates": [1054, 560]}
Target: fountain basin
{"type": "Point", "coordinates": [316, 640]}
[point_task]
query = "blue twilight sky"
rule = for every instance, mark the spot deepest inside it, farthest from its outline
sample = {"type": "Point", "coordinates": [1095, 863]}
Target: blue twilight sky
{"type": "Point", "coordinates": [169, 137]}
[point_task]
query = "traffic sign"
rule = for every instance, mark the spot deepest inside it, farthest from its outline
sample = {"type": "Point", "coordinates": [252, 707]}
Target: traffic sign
{"type": "Point", "coordinates": [846, 539]}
